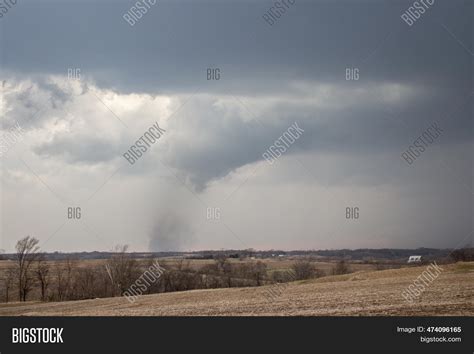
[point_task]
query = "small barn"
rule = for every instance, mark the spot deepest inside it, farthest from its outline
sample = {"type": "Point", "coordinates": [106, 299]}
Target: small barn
{"type": "Point", "coordinates": [414, 259]}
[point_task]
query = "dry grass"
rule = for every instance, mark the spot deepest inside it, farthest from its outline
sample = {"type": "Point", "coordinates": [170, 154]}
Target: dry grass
{"type": "Point", "coordinates": [362, 293]}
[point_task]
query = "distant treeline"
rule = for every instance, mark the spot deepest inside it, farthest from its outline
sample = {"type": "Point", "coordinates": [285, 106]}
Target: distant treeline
{"type": "Point", "coordinates": [34, 275]}
{"type": "Point", "coordinates": [362, 254]}
{"type": "Point", "coordinates": [31, 276]}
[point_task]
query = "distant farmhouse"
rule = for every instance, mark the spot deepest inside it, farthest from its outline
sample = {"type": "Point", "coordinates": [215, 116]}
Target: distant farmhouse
{"type": "Point", "coordinates": [414, 259]}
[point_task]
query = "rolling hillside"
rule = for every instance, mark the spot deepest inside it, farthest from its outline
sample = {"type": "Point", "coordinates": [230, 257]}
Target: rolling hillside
{"type": "Point", "coordinates": [361, 293]}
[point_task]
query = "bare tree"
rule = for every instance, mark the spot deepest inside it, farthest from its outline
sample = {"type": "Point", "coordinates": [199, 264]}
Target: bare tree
{"type": "Point", "coordinates": [304, 270]}
{"type": "Point", "coordinates": [157, 286]}
{"type": "Point", "coordinates": [26, 254]}
{"type": "Point", "coordinates": [258, 271]}
{"type": "Point", "coordinates": [85, 283]}
{"type": "Point", "coordinates": [463, 254]}
{"type": "Point", "coordinates": [283, 276]}
{"type": "Point", "coordinates": [224, 266]}
{"type": "Point", "coordinates": [42, 274]}
{"type": "Point", "coordinates": [10, 275]}
{"type": "Point", "coordinates": [105, 281]}
{"type": "Point", "coordinates": [63, 279]}
{"type": "Point", "coordinates": [341, 268]}
{"type": "Point", "coordinates": [123, 269]}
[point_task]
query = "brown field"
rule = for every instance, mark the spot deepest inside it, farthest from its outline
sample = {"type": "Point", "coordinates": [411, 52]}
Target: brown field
{"type": "Point", "coordinates": [272, 264]}
{"type": "Point", "coordinates": [366, 292]}
{"type": "Point", "coordinates": [189, 266]}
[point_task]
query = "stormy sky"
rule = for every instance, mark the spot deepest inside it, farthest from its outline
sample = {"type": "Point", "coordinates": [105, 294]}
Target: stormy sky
{"type": "Point", "coordinates": [204, 183]}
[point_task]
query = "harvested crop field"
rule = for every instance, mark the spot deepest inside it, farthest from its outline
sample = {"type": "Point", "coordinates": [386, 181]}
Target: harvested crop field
{"type": "Point", "coordinates": [367, 293]}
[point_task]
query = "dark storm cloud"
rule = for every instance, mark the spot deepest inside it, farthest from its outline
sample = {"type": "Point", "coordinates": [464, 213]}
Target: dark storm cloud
{"type": "Point", "coordinates": [212, 136]}
{"type": "Point", "coordinates": [220, 146]}
{"type": "Point", "coordinates": [170, 48]}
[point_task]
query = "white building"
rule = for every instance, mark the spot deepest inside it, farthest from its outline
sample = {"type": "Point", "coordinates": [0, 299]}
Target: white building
{"type": "Point", "coordinates": [414, 259]}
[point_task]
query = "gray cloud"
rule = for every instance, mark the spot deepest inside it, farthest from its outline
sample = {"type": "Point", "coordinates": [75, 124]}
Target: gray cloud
{"type": "Point", "coordinates": [86, 150]}
{"type": "Point", "coordinates": [172, 46]}
{"type": "Point", "coordinates": [272, 76]}
{"type": "Point", "coordinates": [171, 232]}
